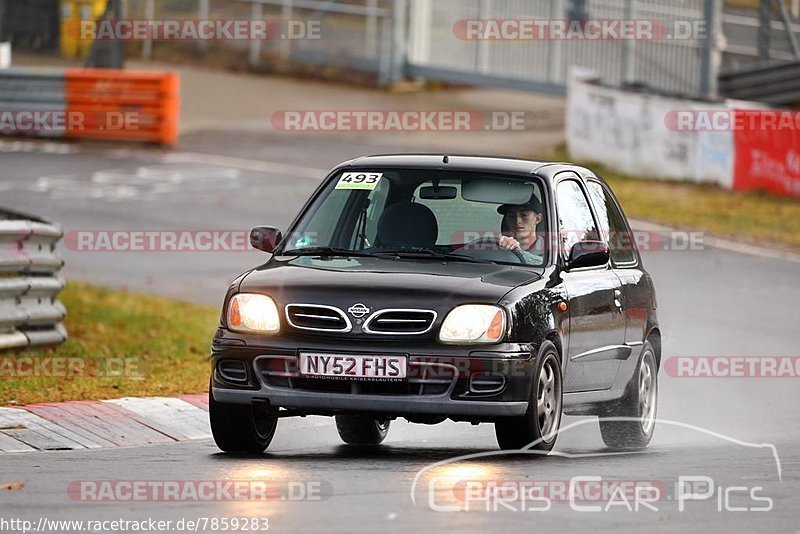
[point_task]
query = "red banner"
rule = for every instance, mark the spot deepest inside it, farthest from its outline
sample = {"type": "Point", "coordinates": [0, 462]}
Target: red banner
{"type": "Point", "coordinates": [767, 159]}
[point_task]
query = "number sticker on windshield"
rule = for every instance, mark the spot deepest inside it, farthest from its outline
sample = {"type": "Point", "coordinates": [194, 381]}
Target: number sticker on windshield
{"type": "Point", "coordinates": [366, 181]}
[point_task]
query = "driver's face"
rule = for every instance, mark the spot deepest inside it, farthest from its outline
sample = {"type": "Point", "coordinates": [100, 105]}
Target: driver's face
{"type": "Point", "coordinates": [522, 222]}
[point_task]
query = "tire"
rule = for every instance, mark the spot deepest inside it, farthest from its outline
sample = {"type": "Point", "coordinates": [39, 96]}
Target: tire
{"type": "Point", "coordinates": [240, 428]}
{"type": "Point", "coordinates": [362, 431]}
{"type": "Point", "coordinates": [640, 404]}
{"type": "Point", "coordinates": [540, 425]}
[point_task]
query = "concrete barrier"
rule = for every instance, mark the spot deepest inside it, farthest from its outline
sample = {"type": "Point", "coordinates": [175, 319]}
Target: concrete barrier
{"type": "Point", "coordinates": [5, 55]}
{"type": "Point", "coordinates": [628, 133]}
{"type": "Point", "coordinates": [735, 144]}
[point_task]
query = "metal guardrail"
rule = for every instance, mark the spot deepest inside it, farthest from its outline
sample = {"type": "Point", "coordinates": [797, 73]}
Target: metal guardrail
{"type": "Point", "coordinates": [30, 313]}
{"type": "Point", "coordinates": [776, 84]}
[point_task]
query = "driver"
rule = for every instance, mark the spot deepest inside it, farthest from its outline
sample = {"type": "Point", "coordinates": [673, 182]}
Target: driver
{"type": "Point", "coordinates": [519, 227]}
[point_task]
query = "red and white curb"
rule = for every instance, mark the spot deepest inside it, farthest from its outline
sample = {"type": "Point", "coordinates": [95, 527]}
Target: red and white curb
{"type": "Point", "coordinates": [100, 424]}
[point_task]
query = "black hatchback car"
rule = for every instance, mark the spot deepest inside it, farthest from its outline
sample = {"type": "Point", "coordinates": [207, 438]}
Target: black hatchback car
{"type": "Point", "coordinates": [431, 287]}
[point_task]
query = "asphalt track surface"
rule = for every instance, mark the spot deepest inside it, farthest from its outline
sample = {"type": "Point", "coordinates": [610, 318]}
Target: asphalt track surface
{"type": "Point", "coordinates": [740, 433]}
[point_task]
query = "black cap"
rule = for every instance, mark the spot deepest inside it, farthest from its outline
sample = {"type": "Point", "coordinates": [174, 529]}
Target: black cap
{"type": "Point", "coordinates": [533, 204]}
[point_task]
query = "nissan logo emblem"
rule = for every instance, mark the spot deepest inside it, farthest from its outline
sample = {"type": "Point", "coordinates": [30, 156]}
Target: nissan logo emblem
{"type": "Point", "coordinates": [358, 310]}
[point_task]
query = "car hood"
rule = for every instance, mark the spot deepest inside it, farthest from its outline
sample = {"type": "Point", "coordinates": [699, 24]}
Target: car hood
{"type": "Point", "coordinates": [385, 283]}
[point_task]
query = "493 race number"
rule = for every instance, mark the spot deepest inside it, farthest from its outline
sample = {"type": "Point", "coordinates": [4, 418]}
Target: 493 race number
{"type": "Point", "coordinates": [359, 180]}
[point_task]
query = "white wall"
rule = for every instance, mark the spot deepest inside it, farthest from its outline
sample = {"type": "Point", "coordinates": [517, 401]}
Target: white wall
{"type": "Point", "coordinates": [5, 55]}
{"type": "Point", "coordinates": [627, 133]}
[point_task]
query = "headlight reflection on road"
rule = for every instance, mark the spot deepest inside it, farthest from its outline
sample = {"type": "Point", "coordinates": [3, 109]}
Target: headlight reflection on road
{"type": "Point", "coordinates": [442, 485]}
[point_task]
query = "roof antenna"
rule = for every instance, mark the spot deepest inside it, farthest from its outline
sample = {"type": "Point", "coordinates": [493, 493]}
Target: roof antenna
{"type": "Point", "coordinates": [446, 159]}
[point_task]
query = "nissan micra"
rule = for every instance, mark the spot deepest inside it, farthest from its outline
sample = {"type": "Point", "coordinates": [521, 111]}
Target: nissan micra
{"type": "Point", "coordinates": [430, 287]}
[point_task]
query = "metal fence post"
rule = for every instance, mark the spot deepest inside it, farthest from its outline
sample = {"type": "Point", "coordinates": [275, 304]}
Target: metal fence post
{"type": "Point", "coordinates": [255, 44]}
{"type": "Point", "coordinates": [420, 31]}
{"type": "Point", "coordinates": [555, 46]}
{"type": "Point", "coordinates": [628, 63]}
{"type": "Point", "coordinates": [399, 40]}
{"type": "Point", "coordinates": [385, 52]}
{"type": "Point", "coordinates": [787, 23]}
{"type": "Point", "coordinates": [286, 43]}
{"type": "Point", "coordinates": [710, 61]}
{"type": "Point", "coordinates": [371, 32]}
{"type": "Point", "coordinates": [149, 14]}
{"type": "Point", "coordinates": [483, 45]}
{"type": "Point", "coordinates": [764, 29]}
{"type": "Point", "coordinates": [203, 13]}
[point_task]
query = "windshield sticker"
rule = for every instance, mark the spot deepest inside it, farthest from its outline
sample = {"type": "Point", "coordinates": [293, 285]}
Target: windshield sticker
{"type": "Point", "coordinates": [366, 181]}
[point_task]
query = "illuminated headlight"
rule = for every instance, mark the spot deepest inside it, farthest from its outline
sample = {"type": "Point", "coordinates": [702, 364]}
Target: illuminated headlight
{"type": "Point", "coordinates": [248, 312]}
{"type": "Point", "coordinates": [473, 323]}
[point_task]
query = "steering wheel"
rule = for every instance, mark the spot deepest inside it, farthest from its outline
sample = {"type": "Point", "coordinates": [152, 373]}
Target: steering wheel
{"type": "Point", "coordinates": [494, 243]}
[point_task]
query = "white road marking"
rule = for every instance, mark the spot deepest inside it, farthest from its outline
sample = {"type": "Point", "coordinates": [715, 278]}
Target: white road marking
{"type": "Point", "coordinates": [725, 244]}
{"type": "Point", "coordinates": [246, 164]}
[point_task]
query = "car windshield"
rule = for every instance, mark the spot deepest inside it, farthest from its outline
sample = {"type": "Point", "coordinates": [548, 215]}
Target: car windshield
{"type": "Point", "coordinates": [426, 214]}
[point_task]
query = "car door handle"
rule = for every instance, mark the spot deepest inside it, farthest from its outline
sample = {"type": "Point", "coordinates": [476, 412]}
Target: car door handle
{"type": "Point", "coordinates": [618, 299]}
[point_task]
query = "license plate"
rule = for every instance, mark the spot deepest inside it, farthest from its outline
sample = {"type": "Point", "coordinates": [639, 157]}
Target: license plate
{"type": "Point", "coordinates": [345, 366]}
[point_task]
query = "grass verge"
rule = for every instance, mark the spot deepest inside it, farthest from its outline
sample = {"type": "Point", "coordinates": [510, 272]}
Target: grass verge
{"type": "Point", "coordinates": [750, 216]}
{"type": "Point", "coordinates": [120, 344]}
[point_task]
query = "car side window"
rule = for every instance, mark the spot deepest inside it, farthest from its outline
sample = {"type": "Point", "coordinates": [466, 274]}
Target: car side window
{"type": "Point", "coordinates": [612, 224]}
{"type": "Point", "coordinates": [574, 215]}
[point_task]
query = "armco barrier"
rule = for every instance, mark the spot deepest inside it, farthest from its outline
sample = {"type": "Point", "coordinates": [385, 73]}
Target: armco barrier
{"type": "Point", "coordinates": [30, 313]}
{"type": "Point", "coordinates": [91, 103]}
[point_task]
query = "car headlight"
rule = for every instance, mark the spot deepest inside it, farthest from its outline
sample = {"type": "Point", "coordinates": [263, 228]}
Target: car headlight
{"type": "Point", "coordinates": [474, 323]}
{"type": "Point", "coordinates": [249, 312]}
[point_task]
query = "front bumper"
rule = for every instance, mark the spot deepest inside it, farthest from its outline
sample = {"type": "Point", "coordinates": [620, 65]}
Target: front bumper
{"type": "Point", "coordinates": [395, 405]}
{"type": "Point", "coordinates": [459, 383]}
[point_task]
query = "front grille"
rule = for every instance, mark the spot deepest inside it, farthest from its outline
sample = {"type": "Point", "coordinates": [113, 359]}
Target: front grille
{"type": "Point", "coordinates": [317, 317]}
{"type": "Point", "coordinates": [403, 322]}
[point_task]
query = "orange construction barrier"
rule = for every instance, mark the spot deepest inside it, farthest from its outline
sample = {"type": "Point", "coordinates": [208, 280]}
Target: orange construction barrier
{"type": "Point", "coordinates": [124, 105]}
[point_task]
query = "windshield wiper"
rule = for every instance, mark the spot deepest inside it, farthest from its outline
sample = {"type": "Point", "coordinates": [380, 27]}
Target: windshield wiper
{"type": "Point", "coordinates": [412, 252]}
{"type": "Point", "coordinates": [326, 251]}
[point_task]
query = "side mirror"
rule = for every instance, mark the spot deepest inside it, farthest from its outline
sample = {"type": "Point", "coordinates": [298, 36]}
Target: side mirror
{"type": "Point", "coordinates": [588, 254]}
{"type": "Point", "coordinates": [265, 238]}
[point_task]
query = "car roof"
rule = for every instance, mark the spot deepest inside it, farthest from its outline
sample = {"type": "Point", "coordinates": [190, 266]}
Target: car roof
{"type": "Point", "coordinates": [544, 169]}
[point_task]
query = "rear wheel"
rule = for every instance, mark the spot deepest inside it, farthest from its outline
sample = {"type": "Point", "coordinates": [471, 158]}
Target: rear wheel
{"type": "Point", "coordinates": [540, 425]}
{"type": "Point", "coordinates": [361, 430]}
{"type": "Point", "coordinates": [639, 407]}
{"type": "Point", "coordinates": [240, 427]}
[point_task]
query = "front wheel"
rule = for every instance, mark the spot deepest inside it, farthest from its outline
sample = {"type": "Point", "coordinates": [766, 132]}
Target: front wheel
{"type": "Point", "coordinates": [240, 428]}
{"type": "Point", "coordinates": [362, 431]}
{"type": "Point", "coordinates": [539, 427]}
{"type": "Point", "coordinates": [638, 408]}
